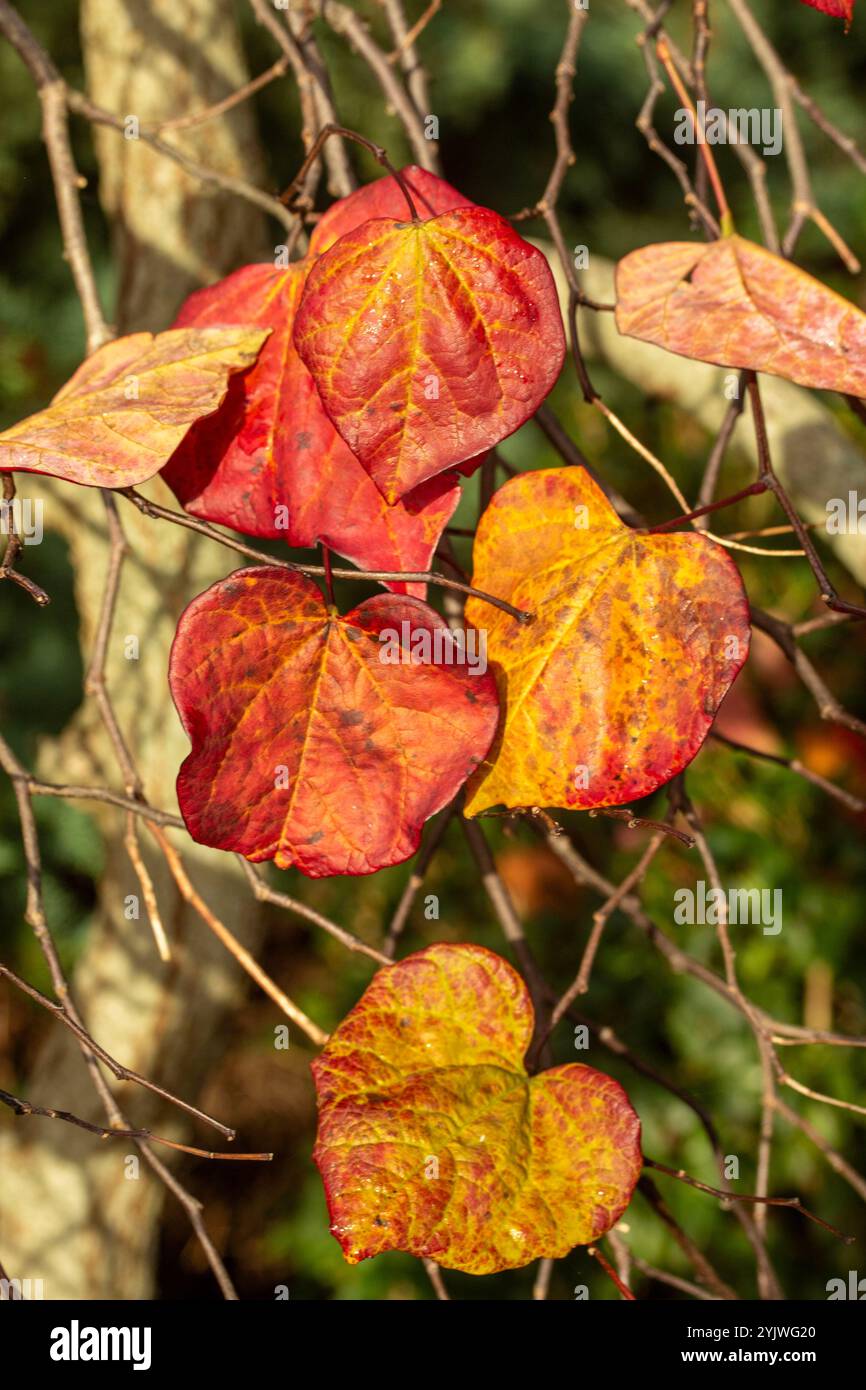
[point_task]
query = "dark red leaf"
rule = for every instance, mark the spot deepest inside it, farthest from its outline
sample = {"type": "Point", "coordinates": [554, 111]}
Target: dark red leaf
{"type": "Point", "coordinates": [270, 463]}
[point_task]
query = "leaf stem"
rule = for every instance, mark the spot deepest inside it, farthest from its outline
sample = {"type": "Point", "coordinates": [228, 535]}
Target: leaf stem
{"type": "Point", "coordinates": [664, 55]}
{"type": "Point", "coordinates": [377, 151]}
{"type": "Point", "coordinates": [751, 491]}
{"type": "Point", "coordinates": [329, 578]}
{"type": "Point", "coordinates": [611, 1273]}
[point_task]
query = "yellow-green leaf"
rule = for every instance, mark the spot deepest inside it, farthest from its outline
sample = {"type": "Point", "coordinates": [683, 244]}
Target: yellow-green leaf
{"type": "Point", "coordinates": [433, 1139]}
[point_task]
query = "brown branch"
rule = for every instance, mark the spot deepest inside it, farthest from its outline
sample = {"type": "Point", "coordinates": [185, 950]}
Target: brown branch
{"type": "Point", "coordinates": [432, 841]}
{"type": "Point", "coordinates": [382, 576]}
{"type": "Point", "coordinates": [266, 894]}
{"type": "Point", "coordinates": [24, 1107]}
{"type": "Point", "coordinates": [52, 93]}
{"type": "Point", "coordinates": [35, 917]}
{"type": "Point", "coordinates": [83, 106]}
{"type": "Point", "coordinates": [14, 547]}
{"type": "Point", "coordinates": [853, 803]}
{"type": "Point", "coordinates": [219, 108]}
{"type": "Point", "coordinates": [728, 1196]}
{"type": "Point", "coordinates": [246, 961]}
{"type": "Point", "coordinates": [121, 1072]}
{"type": "Point", "coordinates": [704, 1271]}
{"type": "Point", "coordinates": [345, 22]}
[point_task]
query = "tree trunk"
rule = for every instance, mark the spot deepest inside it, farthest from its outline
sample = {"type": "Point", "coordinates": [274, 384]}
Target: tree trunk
{"type": "Point", "coordinates": [73, 1211]}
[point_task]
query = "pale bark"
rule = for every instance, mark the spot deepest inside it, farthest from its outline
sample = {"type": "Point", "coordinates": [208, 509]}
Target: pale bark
{"type": "Point", "coordinates": [70, 1214]}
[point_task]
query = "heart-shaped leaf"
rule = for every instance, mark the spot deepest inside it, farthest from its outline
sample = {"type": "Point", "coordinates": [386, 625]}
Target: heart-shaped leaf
{"type": "Point", "coordinates": [123, 413]}
{"type": "Point", "coordinates": [611, 690]}
{"type": "Point", "coordinates": [321, 740]}
{"type": "Point", "coordinates": [270, 463]}
{"type": "Point", "coordinates": [429, 341]}
{"type": "Point", "coordinates": [736, 304]}
{"type": "Point", "coordinates": [432, 1138]}
{"type": "Point", "coordinates": [385, 198]}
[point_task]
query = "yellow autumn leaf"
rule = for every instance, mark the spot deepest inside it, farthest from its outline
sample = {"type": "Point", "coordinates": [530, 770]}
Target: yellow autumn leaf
{"type": "Point", "coordinates": [122, 414]}
{"type": "Point", "coordinates": [611, 690]}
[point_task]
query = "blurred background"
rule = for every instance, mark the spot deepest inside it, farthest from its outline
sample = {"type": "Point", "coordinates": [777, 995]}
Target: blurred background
{"type": "Point", "coordinates": [491, 66]}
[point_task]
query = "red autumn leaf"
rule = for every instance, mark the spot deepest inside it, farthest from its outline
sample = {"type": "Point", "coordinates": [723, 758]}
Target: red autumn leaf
{"type": "Point", "coordinates": [121, 415]}
{"type": "Point", "coordinates": [270, 463]}
{"type": "Point", "coordinates": [384, 198]}
{"type": "Point", "coordinates": [735, 303]}
{"type": "Point", "coordinates": [839, 9]}
{"type": "Point", "coordinates": [432, 1138]}
{"type": "Point", "coordinates": [311, 744]}
{"type": "Point", "coordinates": [429, 341]}
{"type": "Point", "coordinates": [613, 687]}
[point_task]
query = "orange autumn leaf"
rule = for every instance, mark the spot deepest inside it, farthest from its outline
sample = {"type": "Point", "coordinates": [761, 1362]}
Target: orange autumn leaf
{"type": "Point", "coordinates": [429, 341]}
{"type": "Point", "coordinates": [318, 739]}
{"type": "Point", "coordinates": [127, 407]}
{"type": "Point", "coordinates": [611, 690]}
{"type": "Point", "coordinates": [736, 304]}
{"type": "Point", "coordinates": [434, 1140]}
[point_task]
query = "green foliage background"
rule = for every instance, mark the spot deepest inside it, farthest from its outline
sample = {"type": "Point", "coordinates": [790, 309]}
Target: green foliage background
{"type": "Point", "coordinates": [492, 63]}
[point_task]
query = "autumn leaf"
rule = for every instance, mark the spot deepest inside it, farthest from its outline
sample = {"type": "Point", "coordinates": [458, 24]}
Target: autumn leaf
{"type": "Point", "coordinates": [270, 463]}
{"type": "Point", "coordinates": [429, 341]}
{"type": "Point", "coordinates": [734, 303]}
{"type": "Point", "coordinates": [125, 410]}
{"type": "Point", "coordinates": [611, 690]}
{"type": "Point", "coordinates": [320, 740]}
{"type": "Point", "coordinates": [839, 9]}
{"type": "Point", "coordinates": [385, 198]}
{"type": "Point", "coordinates": [432, 1138]}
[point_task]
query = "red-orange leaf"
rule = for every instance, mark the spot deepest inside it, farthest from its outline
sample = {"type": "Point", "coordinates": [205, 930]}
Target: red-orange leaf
{"type": "Point", "coordinates": [270, 463]}
{"type": "Point", "coordinates": [311, 744]}
{"type": "Point", "coordinates": [128, 406]}
{"type": "Point", "coordinates": [433, 1139]}
{"type": "Point", "coordinates": [429, 341]}
{"type": "Point", "coordinates": [385, 198]}
{"type": "Point", "coordinates": [839, 9]}
{"type": "Point", "coordinates": [733, 303]}
{"type": "Point", "coordinates": [611, 690]}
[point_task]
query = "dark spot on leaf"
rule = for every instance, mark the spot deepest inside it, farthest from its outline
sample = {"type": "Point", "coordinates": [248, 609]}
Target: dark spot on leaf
{"type": "Point", "coordinates": [351, 716]}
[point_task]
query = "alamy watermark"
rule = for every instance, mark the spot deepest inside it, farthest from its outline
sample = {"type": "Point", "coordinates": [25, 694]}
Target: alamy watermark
{"type": "Point", "coordinates": [739, 906]}
{"type": "Point", "coordinates": [846, 516]}
{"type": "Point", "coordinates": [22, 517]}
{"type": "Point", "coordinates": [751, 125]}
{"type": "Point", "coordinates": [439, 647]}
